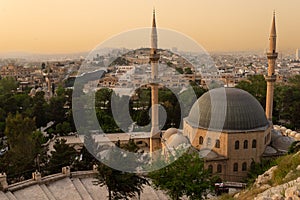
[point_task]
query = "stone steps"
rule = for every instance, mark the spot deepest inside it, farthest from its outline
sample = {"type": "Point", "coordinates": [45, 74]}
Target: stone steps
{"type": "Point", "coordinates": [33, 192]}
{"type": "Point", "coordinates": [64, 190]}
{"type": "Point", "coordinates": [72, 189]}
{"type": "Point", "coordinates": [95, 191]}
{"type": "Point", "coordinates": [47, 192]}
{"type": "Point", "coordinates": [10, 196]}
{"type": "Point", "coordinates": [3, 196]}
{"type": "Point", "coordinates": [81, 189]}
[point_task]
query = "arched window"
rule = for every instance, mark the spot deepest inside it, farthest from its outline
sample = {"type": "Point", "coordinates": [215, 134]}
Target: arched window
{"type": "Point", "coordinates": [237, 145]}
{"type": "Point", "coordinates": [246, 144]}
{"type": "Point", "coordinates": [244, 166]}
{"type": "Point", "coordinates": [235, 167]}
{"type": "Point", "coordinates": [210, 168]}
{"type": "Point", "coordinates": [200, 140]}
{"type": "Point", "coordinates": [253, 143]}
{"type": "Point", "coordinates": [217, 145]}
{"type": "Point", "coordinates": [219, 168]}
{"type": "Point", "coordinates": [208, 141]}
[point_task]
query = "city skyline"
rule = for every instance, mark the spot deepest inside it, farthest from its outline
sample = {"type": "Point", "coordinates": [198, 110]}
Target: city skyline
{"type": "Point", "coordinates": [76, 26]}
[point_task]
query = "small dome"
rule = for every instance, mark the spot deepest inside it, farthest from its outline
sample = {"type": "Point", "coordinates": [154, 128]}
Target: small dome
{"type": "Point", "coordinates": [297, 136]}
{"type": "Point", "coordinates": [229, 109]}
{"type": "Point", "coordinates": [276, 127]}
{"type": "Point", "coordinates": [283, 143]}
{"type": "Point", "coordinates": [288, 131]}
{"type": "Point", "coordinates": [169, 132]}
{"type": "Point", "coordinates": [293, 133]}
{"type": "Point", "coordinates": [270, 150]}
{"type": "Point", "coordinates": [282, 129]}
{"type": "Point", "coordinates": [275, 134]}
{"type": "Point", "coordinates": [176, 140]}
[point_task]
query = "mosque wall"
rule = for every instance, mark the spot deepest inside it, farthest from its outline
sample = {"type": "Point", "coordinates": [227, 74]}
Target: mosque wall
{"type": "Point", "coordinates": [240, 149]}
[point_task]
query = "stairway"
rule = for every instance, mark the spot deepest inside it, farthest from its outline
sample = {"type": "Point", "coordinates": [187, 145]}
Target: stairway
{"type": "Point", "coordinates": [47, 192]}
{"type": "Point", "coordinates": [3, 196]}
{"type": "Point", "coordinates": [64, 190]}
{"type": "Point", "coordinates": [81, 189]}
{"type": "Point", "coordinates": [10, 196]}
{"type": "Point", "coordinates": [32, 192]}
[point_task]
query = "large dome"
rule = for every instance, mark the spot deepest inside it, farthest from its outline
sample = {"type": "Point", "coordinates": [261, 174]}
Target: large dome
{"type": "Point", "coordinates": [228, 109]}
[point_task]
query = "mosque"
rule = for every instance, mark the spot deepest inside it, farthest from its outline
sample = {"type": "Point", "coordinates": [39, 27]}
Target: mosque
{"type": "Point", "coordinates": [228, 126]}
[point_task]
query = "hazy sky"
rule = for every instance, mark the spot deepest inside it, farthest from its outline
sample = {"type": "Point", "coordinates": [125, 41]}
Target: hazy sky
{"type": "Point", "coordinates": [63, 26]}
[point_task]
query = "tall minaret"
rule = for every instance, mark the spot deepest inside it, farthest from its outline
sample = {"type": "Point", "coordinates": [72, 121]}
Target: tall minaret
{"type": "Point", "coordinates": [154, 58]}
{"type": "Point", "coordinates": [271, 77]}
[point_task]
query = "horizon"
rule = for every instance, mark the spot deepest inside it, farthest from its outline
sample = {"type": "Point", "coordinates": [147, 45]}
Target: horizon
{"type": "Point", "coordinates": [68, 27]}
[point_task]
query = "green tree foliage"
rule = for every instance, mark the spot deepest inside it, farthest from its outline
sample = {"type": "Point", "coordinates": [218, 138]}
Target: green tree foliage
{"type": "Point", "coordinates": [25, 143]}
{"type": "Point", "coordinates": [63, 155]}
{"type": "Point", "coordinates": [40, 108]}
{"type": "Point", "coordinates": [57, 111]}
{"type": "Point", "coordinates": [60, 91]}
{"type": "Point", "coordinates": [185, 176]}
{"type": "Point", "coordinates": [287, 103]}
{"type": "Point", "coordinates": [103, 99]}
{"type": "Point", "coordinates": [87, 158]}
{"type": "Point", "coordinates": [7, 85]}
{"type": "Point", "coordinates": [120, 185]}
{"type": "Point", "coordinates": [294, 148]}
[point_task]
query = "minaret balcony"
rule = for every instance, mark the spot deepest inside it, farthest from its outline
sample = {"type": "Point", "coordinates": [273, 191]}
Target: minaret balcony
{"type": "Point", "coordinates": [154, 57]}
{"type": "Point", "coordinates": [153, 81]}
{"type": "Point", "coordinates": [271, 78]}
{"type": "Point", "coordinates": [272, 55]}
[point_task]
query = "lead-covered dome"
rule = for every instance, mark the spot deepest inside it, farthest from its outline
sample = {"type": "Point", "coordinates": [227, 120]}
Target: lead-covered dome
{"type": "Point", "coordinates": [227, 109]}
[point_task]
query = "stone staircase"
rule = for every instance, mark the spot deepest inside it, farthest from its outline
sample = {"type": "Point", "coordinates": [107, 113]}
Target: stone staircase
{"type": "Point", "coordinates": [77, 186]}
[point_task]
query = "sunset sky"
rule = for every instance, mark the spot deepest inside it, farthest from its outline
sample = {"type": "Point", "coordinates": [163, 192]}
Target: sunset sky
{"type": "Point", "coordinates": [67, 26]}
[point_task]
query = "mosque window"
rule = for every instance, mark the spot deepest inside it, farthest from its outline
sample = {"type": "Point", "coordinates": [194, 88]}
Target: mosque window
{"type": "Point", "coordinates": [208, 141]}
{"type": "Point", "coordinates": [237, 145]}
{"type": "Point", "coordinates": [244, 166]}
{"type": "Point", "coordinates": [235, 167]}
{"type": "Point", "coordinates": [254, 143]}
{"type": "Point", "coordinates": [219, 168]}
{"type": "Point", "coordinates": [210, 168]}
{"type": "Point", "coordinates": [200, 140]}
{"type": "Point", "coordinates": [246, 144]}
{"type": "Point", "coordinates": [217, 145]}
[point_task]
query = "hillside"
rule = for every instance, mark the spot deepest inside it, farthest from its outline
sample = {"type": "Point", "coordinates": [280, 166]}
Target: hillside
{"type": "Point", "coordinates": [281, 181]}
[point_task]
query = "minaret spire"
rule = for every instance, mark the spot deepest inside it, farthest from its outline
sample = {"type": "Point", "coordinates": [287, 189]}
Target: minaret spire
{"type": "Point", "coordinates": [153, 33]}
{"type": "Point", "coordinates": [271, 77]}
{"type": "Point", "coordinates": [273, 35]}
{"type": "Point", "coordinates": [153, 22]}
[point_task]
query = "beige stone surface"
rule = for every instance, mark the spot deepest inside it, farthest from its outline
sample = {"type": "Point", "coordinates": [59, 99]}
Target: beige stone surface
{"type": "Point", "coordinates": [30, 193]}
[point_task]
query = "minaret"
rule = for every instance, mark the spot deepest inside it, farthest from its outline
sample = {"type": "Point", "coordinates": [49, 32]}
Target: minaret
{"type": "Point", "coordinates": [154, 58]}
{"type": "Point", "coordinates": [271, 77]}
